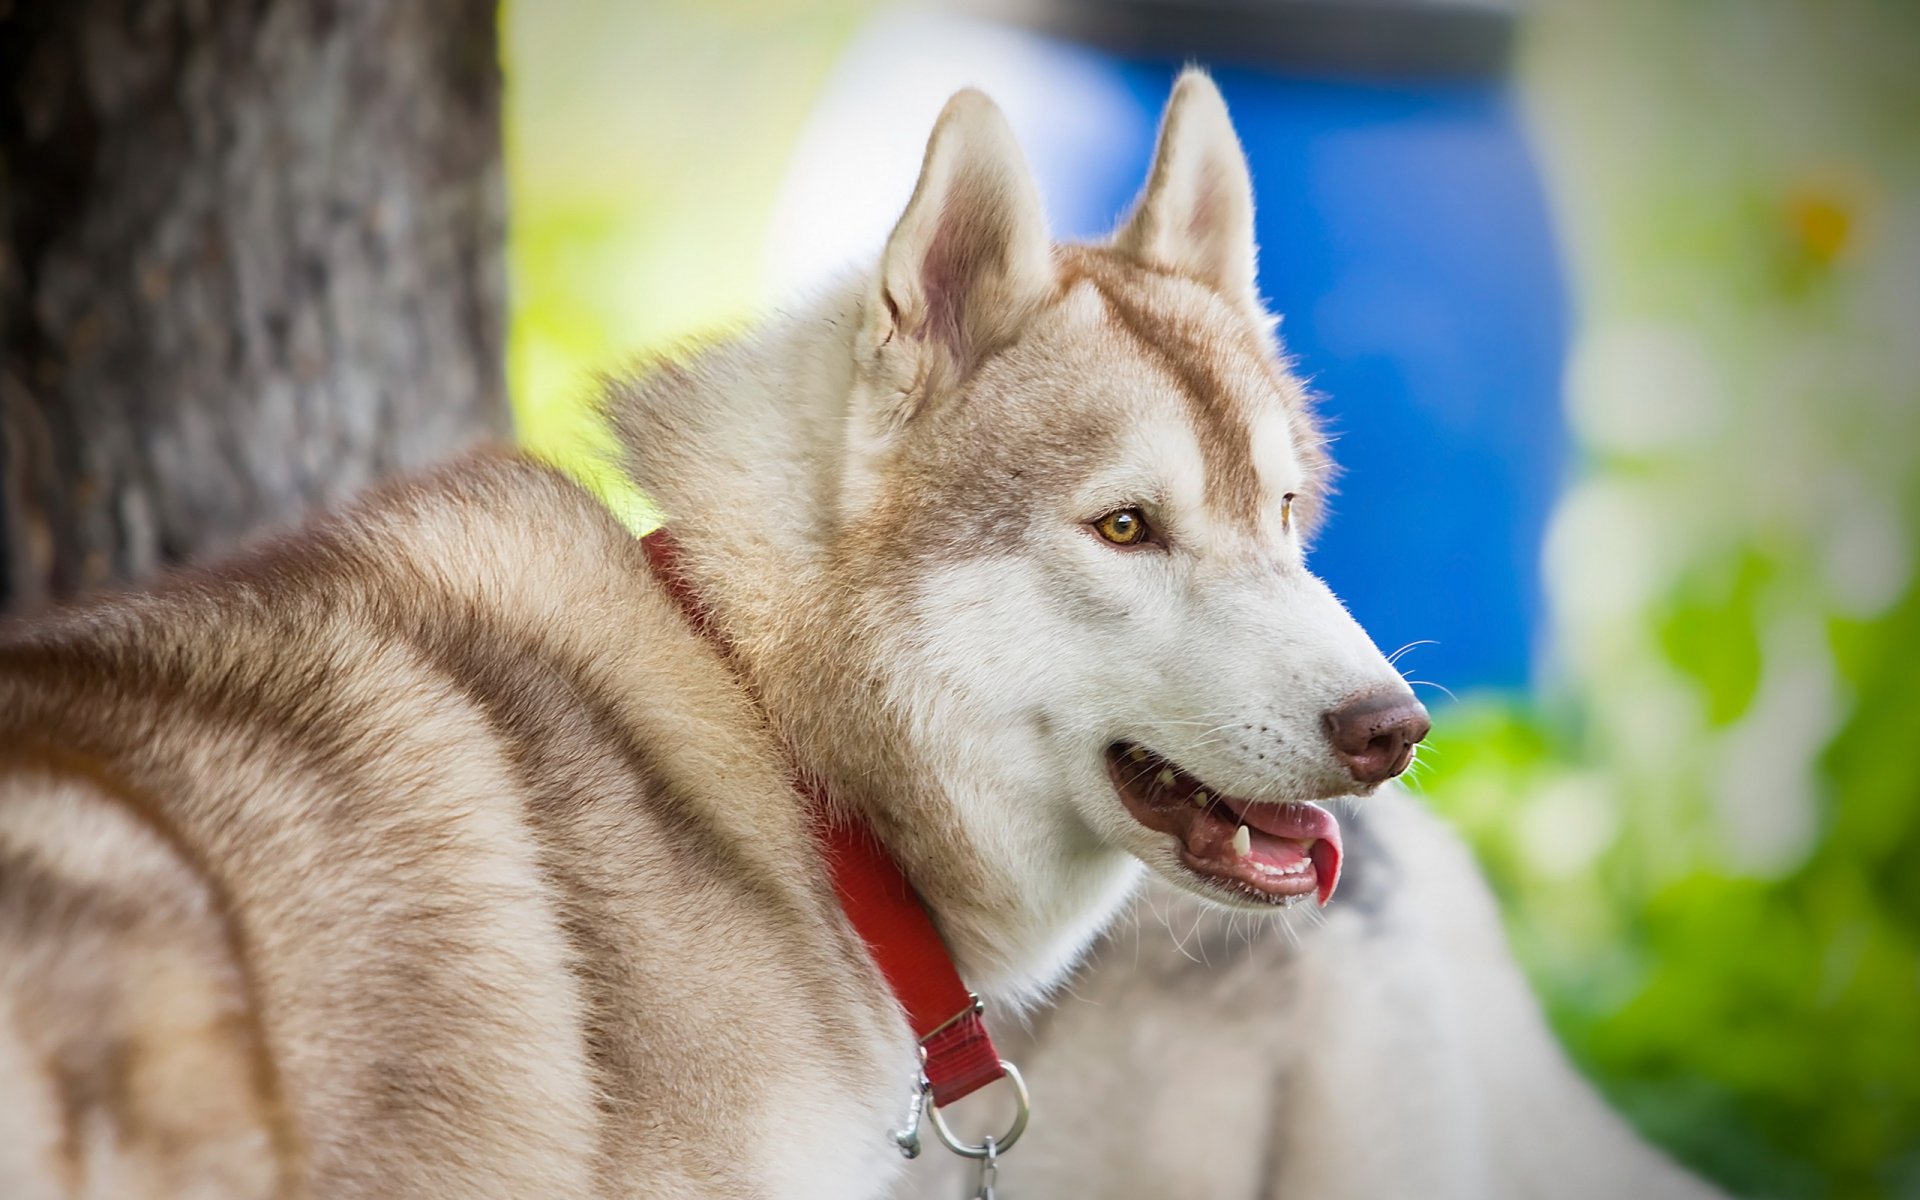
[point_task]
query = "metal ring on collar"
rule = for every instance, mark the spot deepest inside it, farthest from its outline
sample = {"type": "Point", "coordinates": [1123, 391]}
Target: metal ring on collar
{"type": "Point", "coordinates": [999, 1145]}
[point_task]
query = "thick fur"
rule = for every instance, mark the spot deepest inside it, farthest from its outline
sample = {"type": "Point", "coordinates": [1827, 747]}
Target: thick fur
{"type": "Point", "coordinates": [1391, 1050]}
{"type": "Point", "coordinates": [428, 852]}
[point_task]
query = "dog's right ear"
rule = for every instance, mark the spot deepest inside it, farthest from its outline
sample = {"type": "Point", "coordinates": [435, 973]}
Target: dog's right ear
{"type": "Point", "coordinates": [968, 263]}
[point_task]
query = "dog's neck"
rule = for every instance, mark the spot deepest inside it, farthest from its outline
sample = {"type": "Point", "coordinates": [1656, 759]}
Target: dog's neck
{"type": "Point", "coordinates": [742, 448]}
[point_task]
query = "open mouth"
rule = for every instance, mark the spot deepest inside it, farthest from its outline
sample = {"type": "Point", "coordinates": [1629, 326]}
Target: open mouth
{"type": "Point", "coordinates": [1265, 852]}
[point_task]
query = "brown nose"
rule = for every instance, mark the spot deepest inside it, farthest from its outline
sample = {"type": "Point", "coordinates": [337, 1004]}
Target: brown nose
{"type": "Point", "coordinates": [1375, 735]}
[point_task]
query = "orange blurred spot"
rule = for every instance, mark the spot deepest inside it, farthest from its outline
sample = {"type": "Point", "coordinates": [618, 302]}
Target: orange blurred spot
{"type": "Point", "coordinates": [1822, 222]}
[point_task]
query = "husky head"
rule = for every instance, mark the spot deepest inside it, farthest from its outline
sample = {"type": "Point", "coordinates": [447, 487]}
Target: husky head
{"type": "Point", "coordinates": [1093, 475]}
{"type": "Point", "coordinates": [1057, 620]}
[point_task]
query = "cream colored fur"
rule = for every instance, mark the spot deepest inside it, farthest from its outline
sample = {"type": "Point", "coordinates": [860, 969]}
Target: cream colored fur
{"type": "Point", "coordinates": [1391, 1050]}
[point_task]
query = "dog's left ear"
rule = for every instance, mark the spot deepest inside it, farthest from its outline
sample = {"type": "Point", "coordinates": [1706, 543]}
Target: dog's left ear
{"type": "Point", "coordinates": [1196, 216]}
{"type": "Point", "coordinates": [966, 266]}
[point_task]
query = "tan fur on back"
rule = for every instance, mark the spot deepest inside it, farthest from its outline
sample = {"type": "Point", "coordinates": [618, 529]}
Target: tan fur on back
{"type": "Point", "coordinates": [425, 853]}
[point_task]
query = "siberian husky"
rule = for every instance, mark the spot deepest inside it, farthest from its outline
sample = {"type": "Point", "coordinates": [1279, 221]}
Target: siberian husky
{"type": "Point", "coordinates": [433, 851]}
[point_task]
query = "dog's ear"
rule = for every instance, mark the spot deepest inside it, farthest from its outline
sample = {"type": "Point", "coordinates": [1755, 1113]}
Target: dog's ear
{"type": "Point", "coordinates": [968, 263]}
{"type": "Point", "coordinates": [1195, 217]}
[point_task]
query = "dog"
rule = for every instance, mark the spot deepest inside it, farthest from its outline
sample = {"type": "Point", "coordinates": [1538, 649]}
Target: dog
{"type": "Point", "coordinates": [451, 847]}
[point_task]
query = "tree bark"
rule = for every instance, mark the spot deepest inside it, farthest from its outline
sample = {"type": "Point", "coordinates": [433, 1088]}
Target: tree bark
{"type": "Point", "coordinates": [251, 259]}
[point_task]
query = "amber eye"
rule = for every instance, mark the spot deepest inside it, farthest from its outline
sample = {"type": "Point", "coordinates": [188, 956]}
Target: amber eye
{"type": "Point", "coordinates": [1286, 513]}
{"type": "Point", "coordinates": [1123, 526]}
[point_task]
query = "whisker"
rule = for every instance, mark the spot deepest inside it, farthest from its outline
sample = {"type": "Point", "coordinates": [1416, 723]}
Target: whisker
{"type": "Point", "coordinates": [1178, 942]}
{"type": "Point", "coordinates": [1394, 658]}
{"type": "Point", "coordinates": [1437, 686]}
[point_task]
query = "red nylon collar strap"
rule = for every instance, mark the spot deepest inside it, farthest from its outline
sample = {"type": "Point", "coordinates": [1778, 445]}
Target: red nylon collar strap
{"type": "Point", "coordinates": [880, 902]}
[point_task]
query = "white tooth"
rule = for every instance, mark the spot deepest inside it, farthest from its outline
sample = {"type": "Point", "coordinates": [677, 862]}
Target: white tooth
{"type": "Point", "coordinates": [1165, 778]}
{"type": "Point", "coordinates": [1200, 799]}
{"type": "Point", "coordinates": [1242, 842]}
{"type": "Point", "coordinates": [1307, 845]}
{"type": "Point", "coordinates": [1137, 754]}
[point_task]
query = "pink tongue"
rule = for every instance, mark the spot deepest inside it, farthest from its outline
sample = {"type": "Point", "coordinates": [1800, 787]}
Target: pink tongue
{"type": "Point", "coordinates": [1301, 822]}
{"type": "Point", "coordinates": [1326, 865]}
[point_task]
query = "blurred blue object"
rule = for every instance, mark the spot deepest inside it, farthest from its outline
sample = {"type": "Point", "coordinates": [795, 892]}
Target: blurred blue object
{"type": "Point", "coordinates": [1405, 239]}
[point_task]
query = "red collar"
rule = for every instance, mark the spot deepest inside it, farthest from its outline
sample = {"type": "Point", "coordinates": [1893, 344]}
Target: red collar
{"type": "Point", "coordinates": [885, 911]}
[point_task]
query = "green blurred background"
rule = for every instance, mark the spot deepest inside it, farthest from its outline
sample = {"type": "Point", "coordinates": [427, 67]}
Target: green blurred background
{"type": "Point", "coordinates": [1702, 823]}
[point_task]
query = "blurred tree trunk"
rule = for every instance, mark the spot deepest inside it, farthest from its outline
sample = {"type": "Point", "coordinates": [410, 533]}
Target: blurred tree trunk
{"type": "Point", "coordinates": [250, 260]}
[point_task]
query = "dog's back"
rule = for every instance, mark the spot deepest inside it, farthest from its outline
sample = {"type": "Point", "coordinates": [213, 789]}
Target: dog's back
{"type": "Point", "coordinates": [349, 868]}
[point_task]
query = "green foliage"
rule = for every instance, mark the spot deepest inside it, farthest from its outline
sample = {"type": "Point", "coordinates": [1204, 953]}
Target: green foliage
{"type": "Point", "coordinates": [1768, 1030]}
{"type": "Point", "coordinates": [1710, 630]}
{"type": "Point", "coordinates": [1736, 956]}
